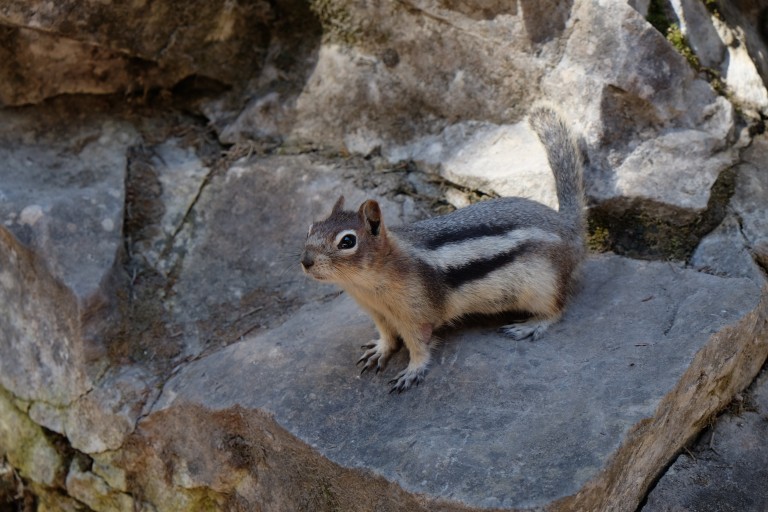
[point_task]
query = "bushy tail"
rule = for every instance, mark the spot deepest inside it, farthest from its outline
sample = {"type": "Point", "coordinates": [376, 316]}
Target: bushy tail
{"type": "Point", "coordinates": [565, 161]}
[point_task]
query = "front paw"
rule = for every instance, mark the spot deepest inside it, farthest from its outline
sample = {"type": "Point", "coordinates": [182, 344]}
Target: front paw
{"type": "Point", "coordinates": [407, 378]}
{"type": "Point", "coordinates": [376, 355]}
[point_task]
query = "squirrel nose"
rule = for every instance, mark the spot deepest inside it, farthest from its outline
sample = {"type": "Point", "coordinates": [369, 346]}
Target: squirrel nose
{"type": "Point", "coordinates": [307, 261]}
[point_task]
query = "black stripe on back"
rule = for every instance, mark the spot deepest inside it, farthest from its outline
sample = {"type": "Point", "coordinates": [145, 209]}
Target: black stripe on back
{"type": "Point", "coordinates": [478, 269]}
{"type": "Point", "coordinates": [464, 233]}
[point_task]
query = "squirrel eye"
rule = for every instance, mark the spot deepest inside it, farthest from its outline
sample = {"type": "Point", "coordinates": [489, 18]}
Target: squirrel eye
{"type": "Point", "coordinates": [348, 242]}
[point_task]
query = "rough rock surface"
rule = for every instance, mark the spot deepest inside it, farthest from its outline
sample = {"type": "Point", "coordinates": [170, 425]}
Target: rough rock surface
{"type": "Point", "coordinates": [733, 52]}
{"type": "Point", "coordinates": [70, 47]}
{"type": "Point", "coordinates": [727, 469]}
{"type": "Point", "coordinates": [160, 351]}
{"type": "Point", "coordinates": [739, 246]}
{"type": "Point", "coordinates": [58, 196]}
{"type": "Point", "coordinates": [504, 424]}
{"type": "Point", "coordinates": [255, 270]}
{"type": "Point", "coordinates": [628, 106]}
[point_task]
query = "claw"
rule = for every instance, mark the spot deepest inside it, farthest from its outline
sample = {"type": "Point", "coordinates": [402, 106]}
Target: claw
{"type": "Point", "coordinates": [407, 379]}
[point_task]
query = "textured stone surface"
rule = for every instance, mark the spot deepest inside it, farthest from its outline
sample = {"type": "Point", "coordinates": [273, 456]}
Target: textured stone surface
{"type": "Point", "coordinates": [507, 160]}
{"type": "Point", "coordinates": [635, 109]}
{"type": "Point", "coordinates": [748, 17]}
{"type": "Point", "coordinates": [239, 253]}
{"type": "Point", "coordinates": [739, 246]}
{"type": "Point", "coordinates": [60, 240]}
{"type": "Point", "coordinates": [25, 445]}
{"type": "Point", "coordinates": [734, 51]}
{"type": "Point", "coordinates": [751, 194]}
{"type": "Point", "coordinates": [81, 47]}
{"type": "Point", "coordinates": [727, 469]}
{"type": "Point", "coordinates": [504, 424]}
{"type": "Point", "coordinates": [141, 261]}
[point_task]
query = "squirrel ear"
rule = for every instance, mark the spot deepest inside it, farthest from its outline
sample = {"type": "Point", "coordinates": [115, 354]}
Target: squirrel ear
{"type": "Point", "coordinates": [339, 205]}
{"type": "Point", "coordinates": [370, 214]}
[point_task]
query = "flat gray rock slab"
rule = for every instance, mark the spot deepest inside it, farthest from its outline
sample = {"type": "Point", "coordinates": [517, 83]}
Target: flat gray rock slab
{"type": "Point", "coordinates": [584, 418]}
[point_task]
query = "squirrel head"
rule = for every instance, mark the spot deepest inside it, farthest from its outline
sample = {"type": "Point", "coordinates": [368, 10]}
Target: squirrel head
{"type": "Point", "coordinates": [344, 246]}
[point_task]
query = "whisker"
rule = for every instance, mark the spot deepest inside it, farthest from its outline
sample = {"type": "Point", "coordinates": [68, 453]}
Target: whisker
{"type": "Point", "coordinates": [288, 262]}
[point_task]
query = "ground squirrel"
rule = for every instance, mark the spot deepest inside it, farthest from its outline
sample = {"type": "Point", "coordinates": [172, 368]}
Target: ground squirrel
{"type": "Point", "coordinates": [496, 256]}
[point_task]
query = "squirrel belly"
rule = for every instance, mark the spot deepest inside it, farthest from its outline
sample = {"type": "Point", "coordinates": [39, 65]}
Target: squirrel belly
{"type": "Point", "coordinates": [502, 255]}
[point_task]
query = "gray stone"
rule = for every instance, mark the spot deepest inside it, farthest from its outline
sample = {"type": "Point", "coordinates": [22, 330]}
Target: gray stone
{"type": "Point", "coordinates": [677, 168]}
{"type": "Point", "coordinates": [640, 112]}
{"type": "Point", "coordinates": [727, 49]}
{"type": "Point", "coordinates": [635, 109]}
{"type": "Point", "coordinates": [726, 252]}
{"type": "Point", "coordinates": [638, 362]}
{"type": "Point", "coordinates": [179, 174]}
{"type": "Point", "coordinates": [264, 408]}
{"type": "Point", "coordinates": [727, 469]}
{"type": "Point", "coordinates": [747, 19]}
{"type": "Point", "coordinates": [742, 79]}
{"type": "Point", "coordinates": [61, 215]}
{"type": "Point", "coordinates": [697, 26]}
{"type": "Point", "coordinates": [739, 246]}
{"type": "Point", "coordinates": [102, 419]}
{"type": "Point", "coordinates": [238, 261]}
{"type": "Point", "coordinates": [751, 194]}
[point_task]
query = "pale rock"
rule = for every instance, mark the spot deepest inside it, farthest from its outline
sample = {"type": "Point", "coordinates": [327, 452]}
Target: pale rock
{"type": "Point", "coordinates": [677, 168]}
{"type": "Point", "coordinates": [507, 160]}
{"type": "Point", "coordinates": [747, 21]}
{"type": "Point", "coordinates": [26, 446]}
{"type": "Point", "coordinates": [725, 48]}
{"type": "Point", "coordinates": [92, 490]}
{"type": "Point", "coordinates": [697, 25]}
{"type": "Point", "coordinates": [744, 83]}
{"type": "Point", "coordinates": [649, 124]}
{"type": "Point", "coordinates": [102, 419]}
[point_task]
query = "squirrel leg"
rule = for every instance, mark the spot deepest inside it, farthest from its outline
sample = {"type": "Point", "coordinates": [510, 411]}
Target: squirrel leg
{"type": "Point", "coordinates": [417, 342]}
{"type": "Point", "coordinates": [378, 352]}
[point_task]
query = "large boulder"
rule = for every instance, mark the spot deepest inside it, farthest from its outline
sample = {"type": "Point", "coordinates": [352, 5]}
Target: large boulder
{"type": "Point", "coordinates": [161, 350]}
{"type": "Point", "coordinates": [582, 420]}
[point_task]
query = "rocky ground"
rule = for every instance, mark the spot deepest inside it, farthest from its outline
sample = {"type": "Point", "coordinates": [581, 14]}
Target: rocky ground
{"type": "Point", "coordinates": [161, 349]}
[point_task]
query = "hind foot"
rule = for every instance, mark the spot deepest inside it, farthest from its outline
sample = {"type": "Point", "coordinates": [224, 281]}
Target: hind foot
{"type": "Point", "coordinates": [532, 329]}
